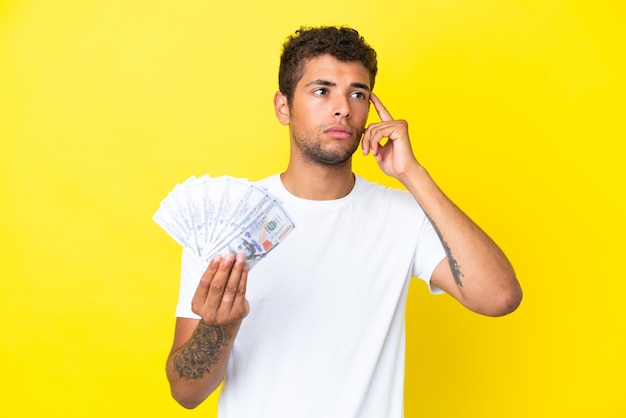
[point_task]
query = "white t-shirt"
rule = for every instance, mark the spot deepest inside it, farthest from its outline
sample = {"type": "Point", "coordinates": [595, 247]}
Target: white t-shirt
{"type": "Point", "coordinates": [325, 336]}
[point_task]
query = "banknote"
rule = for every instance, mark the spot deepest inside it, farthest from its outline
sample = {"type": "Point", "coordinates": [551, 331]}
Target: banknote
{"type": "Point", "coordinates": [217, 215]}
{"type": "Point", "coordinates": [257, 235]}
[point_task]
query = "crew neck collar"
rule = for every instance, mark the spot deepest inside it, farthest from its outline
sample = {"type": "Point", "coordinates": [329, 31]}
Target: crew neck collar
{"type": "Point", "coordinates": [287, 195]}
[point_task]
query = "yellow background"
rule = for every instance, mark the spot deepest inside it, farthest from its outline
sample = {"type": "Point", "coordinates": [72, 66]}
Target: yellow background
{"type": "Point", "coordinates": [516, 108]}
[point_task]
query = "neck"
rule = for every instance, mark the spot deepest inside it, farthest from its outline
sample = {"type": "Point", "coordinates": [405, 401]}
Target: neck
{"type": "Point", "coordinates": [314, 182]}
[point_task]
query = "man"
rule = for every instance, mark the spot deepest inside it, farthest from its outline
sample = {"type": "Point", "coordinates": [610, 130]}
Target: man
{"type": "Point", "coordinates": [317, 328]}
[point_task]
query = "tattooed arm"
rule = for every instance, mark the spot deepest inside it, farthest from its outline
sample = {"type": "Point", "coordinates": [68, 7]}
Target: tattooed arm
{"type": "Point", "coordinates": [475, 271]}
{"type": "Point", "coordinates": [197, 363]}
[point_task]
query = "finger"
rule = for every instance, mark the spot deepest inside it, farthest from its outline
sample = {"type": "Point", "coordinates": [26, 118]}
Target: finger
{"type": "Point", "coordinates": [200, 296]}
{"type": "Point", "coordinates": [240, 306]}
{"type": "Point", "coordinates": [365, 143]}
{"type": "Point", "coordinates": [218, 285]}
{"type": "Point", "coordinates": [369, 144]}
{"type": "Point", "coordinates": [382, 111]}
{"type": "Point", "coordinates": [375, 134]}
{"type": "Point", "coordinates": [231, 289]}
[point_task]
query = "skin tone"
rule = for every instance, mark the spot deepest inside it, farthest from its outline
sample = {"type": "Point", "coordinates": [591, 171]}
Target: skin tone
{"type": "Point", "coordinates": [328, 113]}
{"type": "Point", "coordinates": [475, 272]}
{"type": "Point", "coordinates": [327, 119]}
{"type": "Point", "coordinates": [201, 348]}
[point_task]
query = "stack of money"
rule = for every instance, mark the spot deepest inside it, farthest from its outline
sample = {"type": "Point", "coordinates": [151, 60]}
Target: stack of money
{"type": "Point", "coordinates": [218, 215]}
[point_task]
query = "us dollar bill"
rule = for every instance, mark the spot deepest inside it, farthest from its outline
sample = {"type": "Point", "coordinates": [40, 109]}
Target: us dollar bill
{"type": "Point", "coordinates": [224, 214]}
{"type": "Point", "coordinates": [257, 237]}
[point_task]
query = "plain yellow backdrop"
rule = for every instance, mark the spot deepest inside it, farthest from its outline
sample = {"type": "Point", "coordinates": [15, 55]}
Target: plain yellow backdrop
{"type": "Point", "coordinates": [516, 107]}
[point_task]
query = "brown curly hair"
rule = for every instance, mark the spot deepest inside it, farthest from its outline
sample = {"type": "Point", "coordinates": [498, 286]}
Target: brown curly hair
{"type": "Point", "coordinates": [343, 43]}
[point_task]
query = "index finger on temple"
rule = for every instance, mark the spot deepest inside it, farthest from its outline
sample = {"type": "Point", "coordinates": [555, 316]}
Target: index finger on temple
{"type": "Point", "coordinates": [382, 111]}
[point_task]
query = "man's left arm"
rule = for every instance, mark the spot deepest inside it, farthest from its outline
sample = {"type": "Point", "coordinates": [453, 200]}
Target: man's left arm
{"type": "Point", "coordinates": [475, 271]}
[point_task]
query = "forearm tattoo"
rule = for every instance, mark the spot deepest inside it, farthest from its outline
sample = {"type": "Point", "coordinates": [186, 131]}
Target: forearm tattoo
{"type": "Point", "coordinates": [201, 352]}
{"type": "Point", "coordinates": [454, 266]}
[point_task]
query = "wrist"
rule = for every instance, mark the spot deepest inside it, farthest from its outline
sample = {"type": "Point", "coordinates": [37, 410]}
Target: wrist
{"type": "Point", "coordinates": [413, 173]}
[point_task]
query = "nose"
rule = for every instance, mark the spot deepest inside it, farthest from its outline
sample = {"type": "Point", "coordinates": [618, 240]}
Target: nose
{"type": "Point", "coordinates": [341, 107]}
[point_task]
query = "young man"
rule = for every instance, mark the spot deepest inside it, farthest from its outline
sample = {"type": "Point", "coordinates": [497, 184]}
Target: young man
{"type": "Point", "coordinates": [317, 328]}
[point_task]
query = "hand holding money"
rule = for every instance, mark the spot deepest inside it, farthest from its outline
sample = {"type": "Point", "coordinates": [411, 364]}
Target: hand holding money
{"type": "Point", "coordinates": [218, 216]}
{"type": "Point", "coordinates": [221, 294]}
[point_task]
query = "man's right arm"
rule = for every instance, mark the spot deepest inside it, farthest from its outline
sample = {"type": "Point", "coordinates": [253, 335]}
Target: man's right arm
{"type": "Point", "coordinates": [197, 367]}
{"type": "Point", "coordinates": [197, 362]}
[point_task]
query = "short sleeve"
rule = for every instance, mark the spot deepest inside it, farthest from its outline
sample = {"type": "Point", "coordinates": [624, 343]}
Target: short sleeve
{"type": "Point", "coordinates": [428, 254]}
{"type": "Point", "coordinates": [190, 274]}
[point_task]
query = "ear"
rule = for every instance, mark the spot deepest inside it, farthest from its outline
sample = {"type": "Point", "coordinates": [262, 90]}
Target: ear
{"type": "Point", "coordinates": [281, 107]}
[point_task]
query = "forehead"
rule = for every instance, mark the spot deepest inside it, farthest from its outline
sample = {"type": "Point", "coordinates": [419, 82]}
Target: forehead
{"type": "Point", "coordinates": [329, 68]}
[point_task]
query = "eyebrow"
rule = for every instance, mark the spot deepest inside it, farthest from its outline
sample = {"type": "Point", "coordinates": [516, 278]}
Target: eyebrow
{"type": "Point", "coordinates": [321, 82]}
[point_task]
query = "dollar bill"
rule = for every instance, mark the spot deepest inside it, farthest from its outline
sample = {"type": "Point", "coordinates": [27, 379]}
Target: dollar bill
{"type": "Point", "coordinates": [217, 215]}
{"type": "Point", "coordinates": [258, 235]}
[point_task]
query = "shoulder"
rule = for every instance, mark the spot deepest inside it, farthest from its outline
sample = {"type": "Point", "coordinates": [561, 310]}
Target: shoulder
{"type": "Point", "coordinates": [370, 189]}
{"type": "Point", "coordinates": [270, 183]}
{"type": "Point", "coordinates": [267, 179]}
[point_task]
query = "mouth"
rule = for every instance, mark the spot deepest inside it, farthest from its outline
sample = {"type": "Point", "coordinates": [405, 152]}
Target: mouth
{"type": "Point", "coordinates": [339, 132]}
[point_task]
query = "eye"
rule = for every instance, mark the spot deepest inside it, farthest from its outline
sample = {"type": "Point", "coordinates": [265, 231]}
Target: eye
{"type": "Point", "coordinates": [320, 91]}
{"type": "Point", "coordinates": [358, 95]}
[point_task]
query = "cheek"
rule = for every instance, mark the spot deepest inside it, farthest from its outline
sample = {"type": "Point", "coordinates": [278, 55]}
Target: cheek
{"type": "Point", "coordinates": [308, 121]}
{"type": "Point", "coordinates": [360, 117]}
